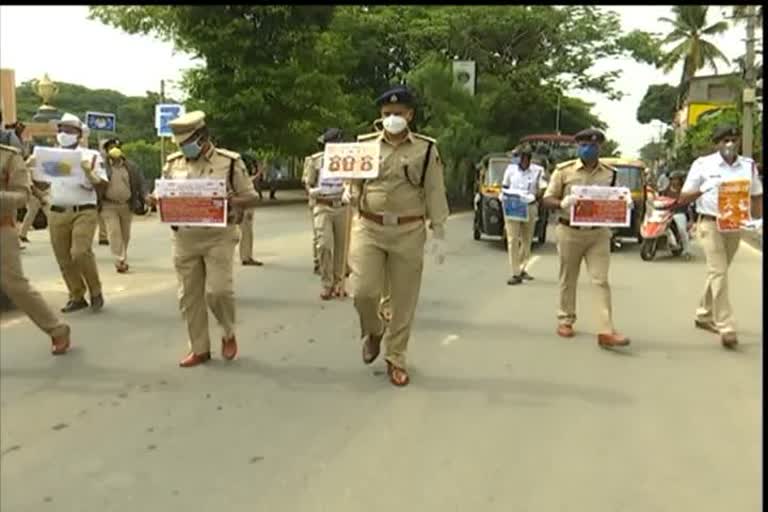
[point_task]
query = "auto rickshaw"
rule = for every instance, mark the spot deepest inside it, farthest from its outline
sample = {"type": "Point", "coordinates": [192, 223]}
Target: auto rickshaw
{"type": "Point", "coordinates": [489, 217]}
{"type": "Point", "coordinates": [631, 173]}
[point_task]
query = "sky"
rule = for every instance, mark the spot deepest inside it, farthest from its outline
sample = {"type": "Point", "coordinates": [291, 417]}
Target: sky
{"type": "Point", "coordinates": [107, 58]}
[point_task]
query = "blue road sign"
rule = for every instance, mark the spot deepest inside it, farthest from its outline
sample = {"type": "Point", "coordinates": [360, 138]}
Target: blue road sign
{"type": "Point", "coordinates": [164, 114]}
{"type": "Point", "coordinates": [101, 121]}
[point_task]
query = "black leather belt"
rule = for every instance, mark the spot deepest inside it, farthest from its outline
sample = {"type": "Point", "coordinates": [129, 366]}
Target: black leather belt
{"type": "Point", "coordinates": [334, 203]}
{"type": "Point", "coordinates": [568, 225]}
{"type": "Point", "coordinates": [707, 217]}
{"type": "Point", "coordinates": [77, 208]}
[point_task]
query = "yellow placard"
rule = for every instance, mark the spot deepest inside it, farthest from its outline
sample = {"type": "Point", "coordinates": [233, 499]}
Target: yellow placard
{"type": "Point", "coordinates": [733, 204]}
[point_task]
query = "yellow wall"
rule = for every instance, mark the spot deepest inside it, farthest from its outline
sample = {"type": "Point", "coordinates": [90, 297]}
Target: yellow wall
{"type": "Point", "coordinates": [696, 109]}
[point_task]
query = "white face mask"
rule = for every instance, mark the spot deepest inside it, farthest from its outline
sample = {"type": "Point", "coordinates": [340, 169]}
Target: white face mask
{"type": "Point", "coordinates": [66, 140]}
{"type": "Point", "coordinates": [395, 124]}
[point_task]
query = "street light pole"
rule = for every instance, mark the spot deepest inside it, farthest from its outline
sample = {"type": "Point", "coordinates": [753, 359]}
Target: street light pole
{"type": "Point", "coordinates": [162, 139]}
{"type": "Point", "coordinates": [748, 95]}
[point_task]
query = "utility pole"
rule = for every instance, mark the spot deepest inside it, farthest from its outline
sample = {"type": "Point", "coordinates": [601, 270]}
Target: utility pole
{"type": "Point", "coordinates": [162, 139]}
{"type": "Point", "coordinates": [748, 96]}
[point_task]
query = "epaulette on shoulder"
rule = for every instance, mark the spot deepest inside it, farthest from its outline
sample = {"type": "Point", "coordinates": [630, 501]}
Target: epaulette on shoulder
{"type": "Point", "coordinates": [608, 166]}
{"type": "Point", "coordinates": [319, 154]}
{"type": "Point", "coordinates": [424, 137]}
{"type": "Point", "coordinates": [229, 154]}
{"type": "Point", "coordinates": [565, 165]}
{"type": "Point", "coordinates": [174, 156]}
{"type": "Point", "coordinates": [10, 149]}
{"type": "Point", "coordinates": [367, 136]}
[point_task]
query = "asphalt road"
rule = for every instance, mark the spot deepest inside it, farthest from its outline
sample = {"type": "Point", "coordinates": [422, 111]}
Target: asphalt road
{"type": "Point", "coordinates": [501, 414]}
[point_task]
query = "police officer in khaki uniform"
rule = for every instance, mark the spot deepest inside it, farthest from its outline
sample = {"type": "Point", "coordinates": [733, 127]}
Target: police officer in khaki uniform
{"type": "Point", "coordinates": [14, 190]}
{"type": "Point", "coordinates": [246, 232]}
{"type": "Point", "coordinates": [311, 206]}
{"type": "Point", "coordinates": [591, 244]}
{"type": "Point", "coordinates": [715, 312]}
{"type": "Point", "coordinates": [73, 219]}
{"type": "Point", "coordinates": [121, 198]}
{"type": "Point", "coordinates": [203, 256]}
{"type": "Point", "coordinates": [390, 230]}
{"type": "Point", "coordinates": [329, 220]}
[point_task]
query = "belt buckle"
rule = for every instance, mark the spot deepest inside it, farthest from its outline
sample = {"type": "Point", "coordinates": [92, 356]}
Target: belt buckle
{"type": "Point", "coordinates": [389, 220]}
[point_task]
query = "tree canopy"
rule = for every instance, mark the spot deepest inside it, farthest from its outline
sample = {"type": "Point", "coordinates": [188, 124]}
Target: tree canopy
{"type": "Point", "coordinates": [276, 76]}
{"type": "Point", "coordinates": [658, 103]}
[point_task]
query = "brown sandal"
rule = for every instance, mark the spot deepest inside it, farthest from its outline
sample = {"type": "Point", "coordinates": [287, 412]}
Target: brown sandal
{"type": "Point", "coordinates": [327, 294]}
{"type": "Point", "coordinates": [397, 376]}
{"type": "Point", "coordinates": [340, 292]}
{"type": "Point", "coordinates": [371, 348]}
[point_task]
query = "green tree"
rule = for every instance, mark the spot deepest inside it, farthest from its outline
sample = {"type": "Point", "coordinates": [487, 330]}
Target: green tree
{"type": "Point", "coordinates": [147, 157]}
{"type": "Point", "coordinates": [653, 151]}
{"type": "Point", "coordinates": [658, 103]}
{"type": "Point", "coordinates": [688, 33]}
{"type": "Point", "coordinates": [610, 149]}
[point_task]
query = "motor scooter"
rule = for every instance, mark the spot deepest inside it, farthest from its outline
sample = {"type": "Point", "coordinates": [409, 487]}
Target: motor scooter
{"type": "Point", "coordinates": [659, 230]}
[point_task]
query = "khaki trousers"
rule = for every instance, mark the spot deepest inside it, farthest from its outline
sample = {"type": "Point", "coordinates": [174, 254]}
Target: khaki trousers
{"type": "Point", "coordinates": [72, 241]}
{"type": "Point", "coordinates": [330, 228]}
{"type": "Point", "coordinates": [203, 261]}
{"type": "Point", "coordinates": [592, 246]}
{"type": "Point", "coordinates": [246, 236]}
{"type": "Point", "coordinates": [387, 253]}
{"type": "Point", "coordinates": [315, 258]}
{"type": "Point", "coordinates": [385, 305]}
{"type": "Point", "coordinates": [519, 237]}
{"type": "Point", "coordinates": [103, 233]}
{"type": "Point", "coordinates": [33, 206]}
{"type": "Point", "coordinates": [17, 287]}
{"type": "Point", "coordinates": [118, 218]}
{"type": "Point", "coordinates": [719, 251]}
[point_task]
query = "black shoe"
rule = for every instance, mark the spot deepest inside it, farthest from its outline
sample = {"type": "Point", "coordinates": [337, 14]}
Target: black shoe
{"type": "Point", "coordinates": [24, 239]}
{"type": "Point", "coordinates": [74, 305]}
{"type": "Point", "coordinates": [97, 302]}
{"type": "Point", "coordinates": [252, 263]}
{"type": "Point", "coordinates": [525, 275]}
{"type": "Point", "coordinates": [514, 280]}
{"type": "Point", "coordinates": [103, 242]}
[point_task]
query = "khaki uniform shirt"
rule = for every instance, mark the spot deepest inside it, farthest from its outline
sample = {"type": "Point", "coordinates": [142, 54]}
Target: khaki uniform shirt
{"type": "Point", "coordinates": [397, 190]}
{"type": "Point", "coordinates": [14, 181]}
{"type": "Point", "coordinates": [573, 173]}
{"type": "Point", "coordinates": [310, 163]}
{"type": "Point", "coordinates": [212, 164]}
{"type": "Point", "coordinates": [119, 188]}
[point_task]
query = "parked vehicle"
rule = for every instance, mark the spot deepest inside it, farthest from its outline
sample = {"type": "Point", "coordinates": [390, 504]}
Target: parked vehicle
{"type": "Point", "coordinates": [659, 230]}
{"type": "Point", "coordinates": [489, 218]}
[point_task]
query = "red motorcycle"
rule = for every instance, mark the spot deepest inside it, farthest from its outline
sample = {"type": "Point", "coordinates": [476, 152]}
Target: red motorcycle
{"type": "Point", "coordinates": [659, 229]}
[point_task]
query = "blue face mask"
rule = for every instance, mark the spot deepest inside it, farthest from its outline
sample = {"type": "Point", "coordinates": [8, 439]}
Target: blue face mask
{"type": "Point", "coordinates": [192, 149]}
{"type": "Point", "coordinates": [588, 152]}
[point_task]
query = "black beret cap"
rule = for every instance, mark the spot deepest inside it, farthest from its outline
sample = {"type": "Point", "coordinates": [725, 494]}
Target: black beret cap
{"type": "Point", "coordinates": [590, 135]}
{"type": "Point", "coordinates": [398, 94]}
{"type": "Point", "coordinates": [331, 135]}
{"type": "Point", "coordinates": [725, 130]}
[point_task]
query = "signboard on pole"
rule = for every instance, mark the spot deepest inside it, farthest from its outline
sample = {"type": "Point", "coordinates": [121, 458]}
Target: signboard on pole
{"type": "Point", "coordinates": [465, 75]}
{"type": "Point", "coordinates": [101, 121]}
{"type": "Point", "coordinates": [164, 114]}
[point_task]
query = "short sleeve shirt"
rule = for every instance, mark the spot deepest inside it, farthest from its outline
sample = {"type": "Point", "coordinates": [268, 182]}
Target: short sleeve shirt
{"type": "Point", "coordinates": [712, 167]}
{"type": "Point", "coordinates": [528, 180]}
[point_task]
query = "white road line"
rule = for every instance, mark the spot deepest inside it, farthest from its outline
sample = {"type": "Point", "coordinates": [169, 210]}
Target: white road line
{"type": "Point", "coordinates": [448, 340]}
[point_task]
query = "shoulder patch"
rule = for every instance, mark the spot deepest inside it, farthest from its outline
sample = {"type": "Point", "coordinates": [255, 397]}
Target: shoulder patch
{"type": "Point", "coordinates": [424, 137]}
{"type": "Point", "coordinates": [10, 149]}
{"type": "Point", "coordinates": [227, 153]}
{"type": "Point", "coordinates": [174, 156]}
{"type": "Point", "coordinates": [367, 136]}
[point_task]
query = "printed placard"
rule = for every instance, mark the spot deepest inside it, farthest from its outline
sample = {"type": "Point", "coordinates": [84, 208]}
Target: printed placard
{"type": "Point", "coordinates": [733, 205]}
{"type": "Point", "coordinates": [197, 202]}
{"type": "Point", "coordinates": [601, 206]}
{"type": "Point", "coordinates": [515, 207]}
{"type": "Point", "coordinates": [57, 163]}
{"type": "Point", "coordinates": [351, 160]}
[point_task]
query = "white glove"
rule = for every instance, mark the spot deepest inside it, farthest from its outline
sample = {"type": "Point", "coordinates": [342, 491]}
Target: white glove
{"type": "Point", "coordinates": [529, 198]}
{"type": "Point", "coordinates": [752, 224]}
{"type": "Point", "coordinates": [438, 250]}
{"type": "Point", "coordinates": [629, 201]}
{"type": "Point", "coordinates": [567, 202]}
{"type": "Point", "coordinates": [314, 192]}
{"type": "Point", "coordinates": [346, 196]}
{"type": "Point", "coordinates": [710, 184]}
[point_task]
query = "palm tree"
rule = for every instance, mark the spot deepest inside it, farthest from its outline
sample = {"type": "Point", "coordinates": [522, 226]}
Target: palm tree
{"type": "Point", "coordinates": [689, 27]}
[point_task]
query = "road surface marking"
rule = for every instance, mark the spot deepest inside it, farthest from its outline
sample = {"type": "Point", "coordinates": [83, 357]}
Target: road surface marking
{"type": "Point", "coordinates": [449, 339]}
